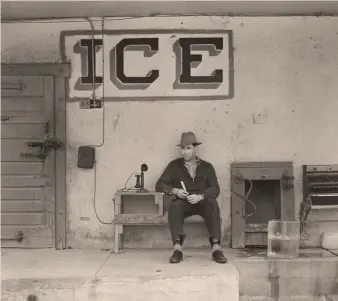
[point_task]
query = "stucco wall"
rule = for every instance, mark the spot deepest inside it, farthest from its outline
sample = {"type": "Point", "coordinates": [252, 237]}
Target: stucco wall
{"type": "Point", "coordinates": [286, 68]}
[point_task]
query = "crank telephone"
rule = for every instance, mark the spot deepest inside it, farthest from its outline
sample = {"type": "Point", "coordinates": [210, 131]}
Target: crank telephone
{"type": "Point", "coordinates": [140, 179]}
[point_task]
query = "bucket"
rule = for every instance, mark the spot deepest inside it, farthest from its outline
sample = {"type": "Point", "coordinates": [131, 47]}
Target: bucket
{"type": "Point", "coordinates": [283, 239]}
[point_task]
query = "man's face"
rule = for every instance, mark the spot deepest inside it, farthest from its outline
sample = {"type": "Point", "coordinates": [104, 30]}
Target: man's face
{"type": "Point", "coordinates": [188, 152]}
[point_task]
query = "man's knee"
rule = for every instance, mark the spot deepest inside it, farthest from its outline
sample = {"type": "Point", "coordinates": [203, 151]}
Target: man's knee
{"type": "Point", "coordinates": [211, 205]}
{"type": "Point", "coordinates": [211, 202]}
{"type": "Point", "coordinates": [176, 206]}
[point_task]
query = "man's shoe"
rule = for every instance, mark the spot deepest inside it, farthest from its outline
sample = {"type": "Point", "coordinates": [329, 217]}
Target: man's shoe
{"type": "Point", "coordinates": [218, 256]}
{"type": "Point", "coordinates": [176, 257]}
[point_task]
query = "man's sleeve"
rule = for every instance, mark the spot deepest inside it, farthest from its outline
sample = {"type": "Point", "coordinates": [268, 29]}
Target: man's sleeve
{"type": "Point", "coordinates": [213, 188]}
{"type": "Point", "coordinates": [165, 182]}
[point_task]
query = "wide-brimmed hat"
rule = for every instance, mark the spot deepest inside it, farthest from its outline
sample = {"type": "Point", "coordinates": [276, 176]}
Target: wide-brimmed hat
{"type": "Point", "coordinates": [188, 138]}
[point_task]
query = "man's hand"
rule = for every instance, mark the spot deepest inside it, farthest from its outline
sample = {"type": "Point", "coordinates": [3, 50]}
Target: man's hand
{"type": "Point", "coordinates": [182, 194]}
{"type": "Point", "coordinates": [194, 198]}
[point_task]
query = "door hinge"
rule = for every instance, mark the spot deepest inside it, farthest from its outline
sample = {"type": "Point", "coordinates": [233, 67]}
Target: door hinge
{"type": "Point", "coordinates": [18, 237]}
{"type": "Point", "coordinates": [5, 118]}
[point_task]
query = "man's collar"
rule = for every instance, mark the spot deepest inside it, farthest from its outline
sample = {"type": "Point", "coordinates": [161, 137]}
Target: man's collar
{"type": "Point", "coordinates": [198, 160]}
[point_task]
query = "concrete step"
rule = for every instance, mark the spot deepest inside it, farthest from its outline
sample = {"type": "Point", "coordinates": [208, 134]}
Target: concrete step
{"type": "Point", "coordinates": [150, 277]}
{"type": "Point", "coordinates": [180, 287]}
{"type": "Point", "coordinates": [69, 295]}
{"type": "Point", "coordinates": [293, 298]}
{"type": "Point", "coordinates": [308, 275]}
{"type": "Point", "coordinates": [132, 276]}
{"type": "Point", "coordinates": [77, 275]}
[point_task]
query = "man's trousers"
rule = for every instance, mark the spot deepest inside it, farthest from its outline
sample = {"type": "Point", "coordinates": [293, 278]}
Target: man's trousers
{"type": "Point", "coordinates": [208, 209]}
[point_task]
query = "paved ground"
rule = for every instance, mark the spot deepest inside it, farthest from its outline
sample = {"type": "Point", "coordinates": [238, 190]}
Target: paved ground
{"type": "Point", "coordinates": [98, 275]}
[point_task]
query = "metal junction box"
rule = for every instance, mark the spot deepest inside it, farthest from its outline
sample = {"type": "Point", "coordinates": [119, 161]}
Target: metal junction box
{"type": "Point", "coordinates": [261, 191]}
{"type": "Point", "coordinates": [320, 183]}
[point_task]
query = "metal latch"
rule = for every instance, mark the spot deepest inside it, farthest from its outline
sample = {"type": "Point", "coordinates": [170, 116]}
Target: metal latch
{"type": "Point", "coordinates": [45, 147]}
{"type": "Point", "coordinates": [19, 236]}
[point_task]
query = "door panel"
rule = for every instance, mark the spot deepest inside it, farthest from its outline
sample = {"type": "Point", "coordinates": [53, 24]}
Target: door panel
{"type": "Point", "coordinates": [22, 86]}
{"type": "Point", "coordinates": [25, 181]}
{"type": "Point", "coordinates": [27, 202]}
{"type": "Point", "coordinates": [23, 130]}
{"type": "Point", "coordinates": [11, 150]}
{"type": "Point", "coordinates": [33, 237]}
{"type": "Point", "coordinates": [23, 193]}
{"type": "Point", "coordinates": [22, 168]}
{"type": "Point", "coordinates": [32, 105]}
{"type": "Point", "coordinates": [26, 219]}
{"type": "Point", "coordinates": [22, 206]}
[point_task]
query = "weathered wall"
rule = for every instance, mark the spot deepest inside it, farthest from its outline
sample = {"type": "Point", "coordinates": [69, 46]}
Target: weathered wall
{"type": "Point", "coordinates": [285, 68]}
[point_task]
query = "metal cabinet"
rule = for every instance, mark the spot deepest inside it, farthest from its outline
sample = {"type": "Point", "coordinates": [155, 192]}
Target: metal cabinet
{"type": "Point", "coordinates": [261, 191]}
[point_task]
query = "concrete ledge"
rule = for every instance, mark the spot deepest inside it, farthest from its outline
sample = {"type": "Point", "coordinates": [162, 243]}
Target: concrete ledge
{"type": "Point", "coordinates": [193, 279]}
{"type": "Point", "coordinates": [293, 298]}
{"type": "Point", "coordinates": [314, 273]}
{"type": "Point", "coordinates": [102, 276]}
{"type": "Point", "coordinates": [287, 287]}
{"type": "Point", "coordinates": [36, 284]}
{"type": "Point", "coordinates": [151, 219]}
{"type": "Point", "coordinates": [78, 275]}
{"type": "Point", "coordinates": [180, 288]}
{"type": "Point", "coordinates": [40, 295]}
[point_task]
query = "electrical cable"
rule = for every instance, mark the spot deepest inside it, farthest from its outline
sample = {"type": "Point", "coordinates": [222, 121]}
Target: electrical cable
{"type": "Point", "coordinates": [123, 190]}
{"type": "Point", "coordinates": [125, 186]}
{"type": "Point", "coordinates": [304, 211]}
{"type": "Point", "coordinates": [93, 79]}
{"type": "Point", "coordinates": [103, 108]}
{"type": "Point", "coordinates": [157, 15]}
{"type": "Point", "coordinates": [94, 201]}
{"type": "Point", "coordinates": [246, 198]}
{"type": "Point", "coordinates": [103, 115]}
{"type": "Point", "coordinates": [117, 18]}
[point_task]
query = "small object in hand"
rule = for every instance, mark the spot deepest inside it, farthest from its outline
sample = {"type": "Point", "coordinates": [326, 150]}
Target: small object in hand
{"type": "Point", "coordinates": [183, 186]}
{"type": "Point", "coordinates": [181, 193]}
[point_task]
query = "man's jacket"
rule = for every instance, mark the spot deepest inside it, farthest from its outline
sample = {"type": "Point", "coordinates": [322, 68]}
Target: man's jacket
{"type": "Point", "coordinates": [205, 181]}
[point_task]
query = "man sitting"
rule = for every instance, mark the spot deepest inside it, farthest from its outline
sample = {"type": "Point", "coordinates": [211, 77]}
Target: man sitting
{"type": "Point", "coordinates": [194, 183]}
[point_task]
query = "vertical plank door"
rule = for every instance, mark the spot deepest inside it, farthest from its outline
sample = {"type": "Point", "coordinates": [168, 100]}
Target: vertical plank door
{"type": "Point", "coordinates": [27, 180]}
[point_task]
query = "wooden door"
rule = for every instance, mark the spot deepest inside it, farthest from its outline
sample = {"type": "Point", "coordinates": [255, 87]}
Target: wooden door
{"type": "Point", "coordinates": [27, 180]}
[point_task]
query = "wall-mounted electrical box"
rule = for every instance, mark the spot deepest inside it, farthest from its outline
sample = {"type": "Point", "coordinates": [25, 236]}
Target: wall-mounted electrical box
{"type": "Point", "coordinates": [269, 188]}
{"type": "Point", "coordinates": [88, 103]}
{"type": "Point", "coordinates": [320, 183]}
{"type": "Point", "coordinates": [85, 157]}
